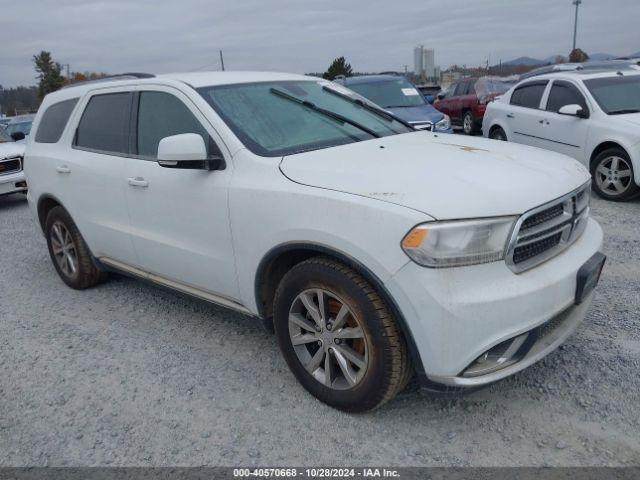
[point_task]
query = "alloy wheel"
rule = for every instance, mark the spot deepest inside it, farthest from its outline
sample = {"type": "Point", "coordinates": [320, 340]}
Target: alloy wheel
{"type": "Point", "coordinates": [467, 123]}
{"type": "Point", "coordinates": [328, 339]}
{"type": "Point", "coordinates": [64, 250]}
{"type": "Point", "coordinates": [613, 175]}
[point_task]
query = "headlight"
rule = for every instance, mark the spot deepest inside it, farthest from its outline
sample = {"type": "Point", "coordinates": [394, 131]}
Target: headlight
{"type": "Point", "coordinates": [444, 124]}
{"type": "Point", "coordinates": [460, 242]}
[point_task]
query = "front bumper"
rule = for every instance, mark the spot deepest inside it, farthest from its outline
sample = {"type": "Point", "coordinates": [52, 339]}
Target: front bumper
{"type": "Point", "coordinates": [12, 183]}
{"type": "Point", "coordinates": [455, 315]}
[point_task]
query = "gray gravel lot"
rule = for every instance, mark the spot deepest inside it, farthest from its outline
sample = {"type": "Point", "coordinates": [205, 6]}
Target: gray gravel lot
{"type": "Point", "coordinates": [128, 374]}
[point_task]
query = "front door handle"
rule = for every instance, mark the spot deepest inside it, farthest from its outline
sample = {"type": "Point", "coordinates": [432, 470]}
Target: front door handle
{"type": "Point", "coordinates": [138, 182]}
{"type": "Point", "coordinates": [63, 169]}
{"type": "Point", "coordinates": [510, 115]}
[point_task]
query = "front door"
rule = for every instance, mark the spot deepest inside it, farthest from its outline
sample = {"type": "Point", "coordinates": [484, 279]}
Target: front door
{"type": "Point", "coordinates": [179, 218]}
{"type": "Point", "coordinates": [565, 133]}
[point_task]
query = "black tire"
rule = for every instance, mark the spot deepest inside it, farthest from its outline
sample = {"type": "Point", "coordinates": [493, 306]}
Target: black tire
{"type": "Point", "coordinates": [87, 273]}
{"type": "Point", "coordinates": [388, 368]}
{"type": "Point", "coordinates": [604, 171]}
{"type": "Point", "coordinates": [497, 133]}
{"type": "Point", "coordinates": [469, 124]}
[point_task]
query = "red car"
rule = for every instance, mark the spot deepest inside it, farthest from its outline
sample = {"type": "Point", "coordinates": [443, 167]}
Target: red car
{"type": "Point", "coordinates": [466, 100]}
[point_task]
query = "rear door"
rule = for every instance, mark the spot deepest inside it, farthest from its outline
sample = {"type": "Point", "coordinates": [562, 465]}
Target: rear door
{"type": "Point", "coordinates": [455, 107]}
{"type": "Point", "coordinates": [524, 113]}
{"type": "Point", "coordinates": [179, 218]}
{"type": "Point", "coordinates": [89, 175]}
{"type": "Point", "coordinates": [565, 133]}
{"type": "Point", "coordinates": [444, 104]}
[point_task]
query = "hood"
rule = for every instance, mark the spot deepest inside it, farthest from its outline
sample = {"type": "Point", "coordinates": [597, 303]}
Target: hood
{"type": "Point", "coordinates": [444, 176]}
{"type": "Point", "coordinates": [419, 113]}
{"type": "Point", "coordinates": [633, 118]}
{"type": "Point", "coordinates": [11, 149]}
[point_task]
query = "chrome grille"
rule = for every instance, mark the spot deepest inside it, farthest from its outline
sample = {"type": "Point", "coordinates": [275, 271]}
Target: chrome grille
{"type": "Point", "coordinates": [545, 231]}
{"type": "Point", "coordinates": [10, 165]}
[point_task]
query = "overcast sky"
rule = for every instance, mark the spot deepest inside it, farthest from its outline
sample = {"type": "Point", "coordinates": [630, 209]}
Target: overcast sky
{"type": "Point", "coordinates": [301, 36]}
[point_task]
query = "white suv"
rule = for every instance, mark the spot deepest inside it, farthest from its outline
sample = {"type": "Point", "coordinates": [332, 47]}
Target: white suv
{"type": "Point", "coordinates": [591, 115]}
{"type": "Point", "coordinates": [376, 250]}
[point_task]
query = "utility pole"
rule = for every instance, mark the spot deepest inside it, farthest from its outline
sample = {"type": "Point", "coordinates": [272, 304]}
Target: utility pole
{"type": "Point", "coordinates": [575, 23]}
{"type": "Point", "coordinates": [68, 67]}
{"type": "Point", "coordinates": [221, 61]}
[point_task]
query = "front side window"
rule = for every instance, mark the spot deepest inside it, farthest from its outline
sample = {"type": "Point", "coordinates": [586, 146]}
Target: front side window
{"type": "Point", "coordinates": [162, 115]}
{"type": "Point", "coordinates": [390, 93]}
{"type": "Point", "coordinates": [282, 118]}
{"type": "Point", "coordinates": [563, 93]}
{"type": "Point", "coordinates": [528, 95]}
{"type": "Point", "coordinates": [616, 95]}
{"type": "Point", "coordinates": [104, 125]}
{"type": "Point", "coordinates": [54, 120]}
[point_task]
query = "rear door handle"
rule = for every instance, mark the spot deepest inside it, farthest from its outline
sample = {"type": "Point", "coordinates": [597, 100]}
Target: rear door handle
{"type": "Point", "coordinates": [510, 115]}
{"type": "Point", "coordinates": [63, 169]}
{"type": "Point", "coordinates": [138, 182]}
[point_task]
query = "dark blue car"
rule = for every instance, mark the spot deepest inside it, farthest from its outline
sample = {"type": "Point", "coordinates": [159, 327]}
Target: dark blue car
{"type": "Point", "coordinates": [399, 96]}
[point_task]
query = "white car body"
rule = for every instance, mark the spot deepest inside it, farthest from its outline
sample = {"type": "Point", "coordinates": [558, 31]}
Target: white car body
{"type": "Point", "coordinates": [11, 168]}
{"type": "Point", "coordinates": [580, 138]}
{"type": "Point", "coordinates": [211, 234]}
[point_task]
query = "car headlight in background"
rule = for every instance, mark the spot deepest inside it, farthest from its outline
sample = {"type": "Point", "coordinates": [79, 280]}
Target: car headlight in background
{"type": "Point", "coordinates": [444, 124]}
{"type": "Point", "coordinates": [459, 242]}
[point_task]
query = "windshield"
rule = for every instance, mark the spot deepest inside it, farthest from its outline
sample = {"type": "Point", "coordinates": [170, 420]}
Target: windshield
{"type": "Point", "coordinates": [24, 127]}
{"type": "Point", "coordinates": [282, 118]}
{"type": "Point", "coordinates": [390, 93]}
{"type": "Point", "coordinates": [616, 95]}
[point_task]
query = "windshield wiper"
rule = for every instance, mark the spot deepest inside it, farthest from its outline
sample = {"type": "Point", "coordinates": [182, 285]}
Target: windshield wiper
{"type": "Point", "coordinates": [375, 110]}
{"type": "Point", "coordinates": [623, 111]}
{"type": "Point", "coordinates": [327, 113]}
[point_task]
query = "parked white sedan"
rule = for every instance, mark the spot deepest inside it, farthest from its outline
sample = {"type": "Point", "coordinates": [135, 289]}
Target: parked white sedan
{"type": "Point", "coordinates": [590, 115]}
{"type": "Point", "coordinates": [11, 161]}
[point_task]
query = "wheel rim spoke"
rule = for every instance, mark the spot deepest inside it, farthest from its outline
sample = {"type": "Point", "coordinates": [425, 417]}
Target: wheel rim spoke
{"type": "Point", "coordinates": [304, 338]}
{"type": "Point", "coordinates": [312, 309]}
{"type": "Point", "coordinates": [350, 332]}
{"type": "Point", "coordinates": [351, 355]}
{"type": "Point", "coordinates": [315, 361]}
{"type": "Point", "coordinates": [301, 322]}
{"type": "Point", "coordinates": [624, 174]}
{"type": "Point", "coordinates": [348, 372]}
{"type": "Point", "coordinates": [341, 317]}
{"type": "Point", "coordinates": [614, 163]}
{"type": "Point", "coordinates": [328, 369]}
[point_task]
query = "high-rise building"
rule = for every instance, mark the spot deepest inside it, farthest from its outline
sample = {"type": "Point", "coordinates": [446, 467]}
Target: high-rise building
{"type": "Point", "coordinates": [424, 63]}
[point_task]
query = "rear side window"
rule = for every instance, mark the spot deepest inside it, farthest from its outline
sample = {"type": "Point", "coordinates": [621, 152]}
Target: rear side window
{"type": "Point", "coordinates": [528, 95]}
{"type": "Point", "coordinates": [54, 120]}
{"type": "Point", "coordinates": [104, 125]}
{"type": "Point", "coordinates": [563, 93]}
{"type": "Point", "coordinates": [162, 115]}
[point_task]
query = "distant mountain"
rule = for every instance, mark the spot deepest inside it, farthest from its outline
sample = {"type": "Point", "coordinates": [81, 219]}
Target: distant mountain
{"type": "Point", "coordinates": [528, 61]}
{"type": "Point", "coordinates": [601, 56]}
{"type": "Point", "coordinates": [635, 55]}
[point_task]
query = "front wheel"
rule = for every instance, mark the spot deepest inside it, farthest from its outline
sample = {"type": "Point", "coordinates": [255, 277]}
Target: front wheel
{"type": "Point", "coordinates": [613, 175]}
{"type": "Point", "coordinates": [338, 336]}
{"type": "Point", "coordinates": [497, 133]}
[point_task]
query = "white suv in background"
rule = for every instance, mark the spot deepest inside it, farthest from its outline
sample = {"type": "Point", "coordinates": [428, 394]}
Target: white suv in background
{"type": "Point", "coordinates": [376, 250]}
{"type": "Point", "coordinates": [591, 115]}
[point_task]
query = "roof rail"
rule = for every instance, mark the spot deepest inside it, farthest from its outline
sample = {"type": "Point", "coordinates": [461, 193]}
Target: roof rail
{"type": "Point", "coordinates": [112, 78]}
{"type": "Point", "coordinates": [603, 65]}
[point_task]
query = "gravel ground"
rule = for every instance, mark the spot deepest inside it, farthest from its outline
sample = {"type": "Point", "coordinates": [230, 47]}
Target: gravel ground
{"type": "Point", "coordinates": [128, 374]}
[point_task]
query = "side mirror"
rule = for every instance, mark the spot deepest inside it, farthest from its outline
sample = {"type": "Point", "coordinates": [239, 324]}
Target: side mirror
{"type": "Point", "coordinates": [574, 110]}
{"type": "Point", "coordinates": [17, 136]}
{"type": "Point", "coordinates": [429, 98]}
{"type": "Point", "coordinates": [440, 96]}
{"type": "Point", "coordinates": [186, 151]}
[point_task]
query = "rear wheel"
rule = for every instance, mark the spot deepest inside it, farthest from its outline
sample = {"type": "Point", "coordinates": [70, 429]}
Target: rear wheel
{"type": "Point", "coordinates": [69, 252]}
{"type": "Point", "coordinates": [497, 133]}
{"type": "Point", "coordinates": [338, 337]}
{"type": "Point", "coordinates": [613, 175]}
{"type": "Point", "coordinates": [469, 123]}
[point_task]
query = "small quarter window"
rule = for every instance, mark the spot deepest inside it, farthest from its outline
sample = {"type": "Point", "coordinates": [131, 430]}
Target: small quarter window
{"type": "Point", "coordinates": [104, 125]}
{"type": "Point", "coordinates": [54, 120]}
